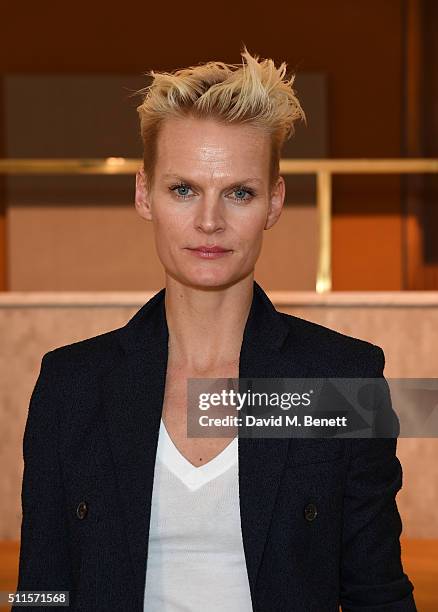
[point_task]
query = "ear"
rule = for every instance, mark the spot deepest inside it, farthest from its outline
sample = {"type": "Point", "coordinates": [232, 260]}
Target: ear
{"type": "Point", "coordinates": [142, 196]}
{"type": "Point", "coordinates": [276, 202]}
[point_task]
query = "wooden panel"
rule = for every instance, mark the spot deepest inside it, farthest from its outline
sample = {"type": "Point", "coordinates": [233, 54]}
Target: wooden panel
{"type": "Point", "coordinates": [420, 564]}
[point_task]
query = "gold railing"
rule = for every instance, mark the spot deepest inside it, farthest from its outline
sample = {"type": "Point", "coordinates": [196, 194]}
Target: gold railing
{"type": "Point", "coordinates": [324, 169]}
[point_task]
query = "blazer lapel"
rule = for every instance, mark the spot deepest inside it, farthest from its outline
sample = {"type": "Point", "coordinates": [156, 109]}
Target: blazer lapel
{"type": "Point", "coordinates": [261, 460]}
{"type": "Point", "coordinates": [133, 394]}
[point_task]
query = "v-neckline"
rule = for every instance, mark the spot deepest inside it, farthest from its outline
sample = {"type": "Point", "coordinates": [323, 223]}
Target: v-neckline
{"type": "Point", "coordinates": [194, 477]}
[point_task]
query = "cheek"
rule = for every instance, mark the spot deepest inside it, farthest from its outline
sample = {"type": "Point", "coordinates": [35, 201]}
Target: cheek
{"type": "Point", "coordinates": [166, 227]}
{"type": "Point", "coordinates": [251, 227]}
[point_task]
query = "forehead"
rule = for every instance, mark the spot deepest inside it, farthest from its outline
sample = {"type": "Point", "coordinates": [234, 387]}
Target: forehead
{"type": "Point", "coordinates": [208, 148]}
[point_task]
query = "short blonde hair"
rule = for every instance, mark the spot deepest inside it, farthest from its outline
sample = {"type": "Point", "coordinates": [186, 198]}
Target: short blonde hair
{"type": "Point", "coordinates": [254, 92]}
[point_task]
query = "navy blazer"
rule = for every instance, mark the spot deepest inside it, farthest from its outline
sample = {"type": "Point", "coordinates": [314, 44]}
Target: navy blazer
{"type": "Point", "coordinates": [319, 519]}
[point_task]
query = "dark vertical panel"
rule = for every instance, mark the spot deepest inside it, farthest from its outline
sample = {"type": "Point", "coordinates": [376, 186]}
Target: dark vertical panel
{"type": "Point", "coordinates": [413, 222]}
{"type": "Point", "coordinates": [430, 130]}
{"type": "Point", "coordinates": [421, 134]}
{"type": "Point", "coordinates": [3, 220]}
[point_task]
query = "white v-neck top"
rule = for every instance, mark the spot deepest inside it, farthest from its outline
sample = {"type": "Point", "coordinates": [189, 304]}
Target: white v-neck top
{"type": "Point", "coordinates": [196, 560]}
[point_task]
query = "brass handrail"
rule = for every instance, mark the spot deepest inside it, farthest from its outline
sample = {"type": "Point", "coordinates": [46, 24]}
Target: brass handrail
{"type": "Point", "coordinates": [125, 165]}
{"type": "Point", "coordinates": [322, 168]}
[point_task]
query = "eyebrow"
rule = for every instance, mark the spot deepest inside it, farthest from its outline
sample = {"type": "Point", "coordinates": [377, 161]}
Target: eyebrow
{"type": "Point", "coordinates": [195, 184]}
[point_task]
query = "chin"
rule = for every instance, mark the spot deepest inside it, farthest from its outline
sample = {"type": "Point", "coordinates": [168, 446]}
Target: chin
{"type": "Point", "coordinates": [204, 279]}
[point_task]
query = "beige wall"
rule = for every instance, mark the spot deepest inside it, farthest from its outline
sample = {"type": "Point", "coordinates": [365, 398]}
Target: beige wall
{"type": "Point", "coordinates": [403, 324]}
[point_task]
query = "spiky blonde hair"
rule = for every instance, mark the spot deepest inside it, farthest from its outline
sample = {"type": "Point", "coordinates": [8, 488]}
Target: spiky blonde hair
{"type": "Point", "coordinates": [254, 92]}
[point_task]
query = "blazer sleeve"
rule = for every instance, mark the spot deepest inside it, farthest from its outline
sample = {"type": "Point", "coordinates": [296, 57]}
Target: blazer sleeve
{"type": "Point", "coordinates": [44, 563]}
{"type": "Point", "coordinates": [372, 576]}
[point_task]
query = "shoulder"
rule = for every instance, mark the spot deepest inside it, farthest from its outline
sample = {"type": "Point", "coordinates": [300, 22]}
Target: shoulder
{"type": "Point", "coordinates": [83, 360]}
{"type": "Point", "coordinates": [103, 351]}
{"type": "Point", "coordinates": [335, 350]}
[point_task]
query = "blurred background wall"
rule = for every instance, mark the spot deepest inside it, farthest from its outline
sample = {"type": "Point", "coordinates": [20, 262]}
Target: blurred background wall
{"type": "Point", "coordinates": [378, 98]}
{"type": "Point", "coordinates": [86, 233]}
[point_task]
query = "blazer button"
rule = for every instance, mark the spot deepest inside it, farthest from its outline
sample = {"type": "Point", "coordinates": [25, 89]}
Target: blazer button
{"type": "Point", "coordinates": [310, 512]}
{"type": "Point", "coordinates": [82, 510]}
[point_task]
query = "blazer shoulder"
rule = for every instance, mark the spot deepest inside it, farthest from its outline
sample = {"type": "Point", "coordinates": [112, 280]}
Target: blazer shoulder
{"type": "Point", "coordinates": [89, 355]}
{"type": "Point", "coordinates": [335, 346]}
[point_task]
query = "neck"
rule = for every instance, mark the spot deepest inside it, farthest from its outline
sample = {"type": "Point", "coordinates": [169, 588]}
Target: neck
{"type": "Point", "coordinates": [206, 325]}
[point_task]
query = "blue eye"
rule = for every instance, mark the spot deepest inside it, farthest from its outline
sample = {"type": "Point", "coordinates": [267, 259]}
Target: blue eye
{"type": "Point", "coordinates": [241, 191]}
{"type": "Point", "coordinates": [181, 190]}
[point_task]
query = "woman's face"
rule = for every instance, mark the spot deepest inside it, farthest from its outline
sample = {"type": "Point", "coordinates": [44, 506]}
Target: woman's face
{"type": "Point", "coordinates": [210, 188]}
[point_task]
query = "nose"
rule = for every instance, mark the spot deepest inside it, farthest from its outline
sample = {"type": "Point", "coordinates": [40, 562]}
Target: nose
{"type": "Point", "coordinates": [209, 215]}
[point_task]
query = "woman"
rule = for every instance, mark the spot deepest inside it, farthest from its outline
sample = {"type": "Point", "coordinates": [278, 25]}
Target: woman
{"type": "Point", "coordinates": [120, 507]}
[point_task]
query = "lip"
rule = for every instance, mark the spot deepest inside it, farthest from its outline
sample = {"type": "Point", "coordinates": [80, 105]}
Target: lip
{"type": "Point", "coordinates": [209, 249]}
{"type": "Point", "coordinates": [209, 252]}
